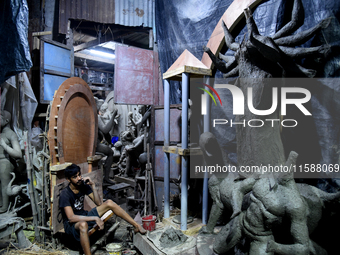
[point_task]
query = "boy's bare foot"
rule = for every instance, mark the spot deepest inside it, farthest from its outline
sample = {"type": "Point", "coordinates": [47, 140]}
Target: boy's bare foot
{"type": "Point", "coordinates": [140, 229]}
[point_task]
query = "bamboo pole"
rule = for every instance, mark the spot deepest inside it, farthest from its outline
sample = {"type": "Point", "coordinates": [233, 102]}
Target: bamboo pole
{"type": "Point", "coordinates": [45, 179]}
{"type": "Point", "coordinates": [30, 186]}
{"type": "Point", "coordinates": [148, 170]}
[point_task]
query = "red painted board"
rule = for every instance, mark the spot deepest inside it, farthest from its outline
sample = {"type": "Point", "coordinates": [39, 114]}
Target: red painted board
{"type": "Point", "coordinates": [134, 76]}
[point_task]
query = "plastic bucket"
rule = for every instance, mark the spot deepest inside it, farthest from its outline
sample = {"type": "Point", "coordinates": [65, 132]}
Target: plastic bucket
{"type": "Point", "coordinates": [114, 248]}
{"type": "Point", "coordinates": [149, 222]}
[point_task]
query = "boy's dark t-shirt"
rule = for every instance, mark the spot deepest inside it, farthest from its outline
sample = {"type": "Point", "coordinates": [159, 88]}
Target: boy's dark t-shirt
{"type": "Point", "coordinates": [76, 201]}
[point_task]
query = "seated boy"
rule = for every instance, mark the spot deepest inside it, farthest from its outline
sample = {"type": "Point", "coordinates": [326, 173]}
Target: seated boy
{"type": "Point", "coordinates": [78, 221]}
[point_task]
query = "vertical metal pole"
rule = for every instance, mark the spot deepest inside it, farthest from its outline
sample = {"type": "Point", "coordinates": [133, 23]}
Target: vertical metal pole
{"type": "Point", "coordinates": [166, 143]}
{"type": "Point", "coordinates": [206, 121]}
{"type": "Point", "coordinates": [184, 184]}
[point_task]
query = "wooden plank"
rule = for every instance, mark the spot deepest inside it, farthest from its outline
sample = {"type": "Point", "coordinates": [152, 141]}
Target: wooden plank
{"type": "Point", "coordinates": [55, 43]}
{"type": "Point", "coordinates": [141, 178]}
{"type": "Point", "coordinates": [126, 180]}
{"type": "Point", "coordinates": [119, 186]}
{"type": "Point", "coordinates": [187, 59]}
{"type": "Point", "coordinates": [231, 18]}
{"type": "Point", "coordinates": [170, 149]}
{"type": "Point", "coordinates": [40, 115]}
{"type": "Point", "coordinates": [41, 33]}
{"type": "Point", "coordinates": [160, 178]}
{"type": "Point", "coordinates": [172, 106]}
{"type": "Point", "coordinates": [70, 44]}
{"type": "Point", "coordinates": [41, 67]}
{"type": "Point", "coordinates": [186, 69]}
{"type": "Point", "coordinates": [135, 199]}
{"type": "Point", "coordinates": [174, 77]}
{"type": "Point", "coordinates": [158, 84]}
{"type": "Point", "coordinates": [100, 88]}
{"type": "Point", "coordinates": [86, 45]}
{"type": "Point", "coordinates": [94, 158]}
{"type": "Point", "coordinates": [92, 43]}
{"type": "Point", "coordinates": [182, 152]}
{"type": "Point", "coordinates": [60, 167]}
{"type": "Point", "coordinates": [197, 70]}
{"type": "Point", "coordinates": [53, 72]}
{"type": "Point", "coordinates": [57, 219]}
{"type": "Point", "coordinates": [188, 63]}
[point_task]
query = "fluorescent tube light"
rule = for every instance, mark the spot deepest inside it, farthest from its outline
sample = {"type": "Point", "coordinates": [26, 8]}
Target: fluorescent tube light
{"type": "Point", "coordinates": [103, 54]}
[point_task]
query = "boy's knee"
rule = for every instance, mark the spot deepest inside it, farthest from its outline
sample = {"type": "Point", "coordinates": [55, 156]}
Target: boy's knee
{"type": "Point", "coordinates": [83, 226]}
{"type": "Point", "coordinates": [111, 204]}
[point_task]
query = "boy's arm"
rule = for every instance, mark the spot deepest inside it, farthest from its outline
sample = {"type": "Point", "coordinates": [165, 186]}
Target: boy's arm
{"type": "Point", "coordinates": [73, 218]}
{"type": "Point", "coordinates": [94, 195]}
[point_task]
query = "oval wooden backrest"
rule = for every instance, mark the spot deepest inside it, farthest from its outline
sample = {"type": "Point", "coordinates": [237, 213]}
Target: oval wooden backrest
{"type": "Point", "coordinates": [73, 126]}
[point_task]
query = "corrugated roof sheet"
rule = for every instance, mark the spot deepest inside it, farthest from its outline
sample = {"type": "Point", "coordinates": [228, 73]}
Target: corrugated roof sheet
{"type": "Point", "coordinates": [101, 11]}
{"type": "Point", "coordinates": [134, 13]}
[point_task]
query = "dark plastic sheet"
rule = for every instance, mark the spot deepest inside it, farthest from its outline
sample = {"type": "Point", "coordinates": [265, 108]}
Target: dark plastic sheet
{"type": "Point", "coordinates": [184, 25]}
{"type": "Point", "coordinates": [188, 25]}
{"type": "Point", "coordinates": [14, 51]}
